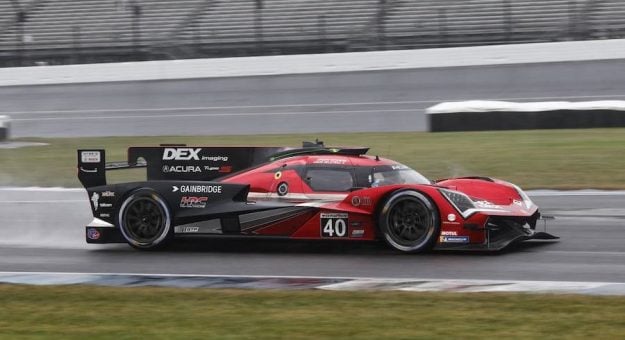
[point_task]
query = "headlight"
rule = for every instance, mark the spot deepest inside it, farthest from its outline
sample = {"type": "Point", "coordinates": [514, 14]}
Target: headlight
{"type": "Point", "coordinates": [460, 201]}
{"type": "Point", "coordinates": [527, 202]}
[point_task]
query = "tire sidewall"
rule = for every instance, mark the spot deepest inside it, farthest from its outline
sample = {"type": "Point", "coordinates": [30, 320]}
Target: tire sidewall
{"type": "Point", "coordinates": [434, 221]}
{"type": "Point", "coordinates": [166, 233]}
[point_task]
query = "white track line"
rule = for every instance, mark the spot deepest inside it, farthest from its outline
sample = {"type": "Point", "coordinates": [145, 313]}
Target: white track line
{"type": "Point", "coordinates": [233, 114]}
{"type": "Point", "coordinates": [583, 252]}
{"type": "Point", "coordinates": [44, 201]}
{"type": "Point", "coordinates": [42, 189]}
{"type": "Point", "coordinates": [590, 192]}
{"type": "Point", "coordinates": [197, 108]}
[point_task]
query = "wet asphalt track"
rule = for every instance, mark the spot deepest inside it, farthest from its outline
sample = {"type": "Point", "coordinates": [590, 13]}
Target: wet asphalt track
{"type": "Point", "coordinates": [43, 232]}
{"type": "Point", "coordinates": [355, 101]}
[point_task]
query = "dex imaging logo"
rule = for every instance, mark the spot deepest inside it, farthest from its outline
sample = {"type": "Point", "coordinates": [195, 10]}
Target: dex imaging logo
{"type": "Point", "coordinates": [181, 154]}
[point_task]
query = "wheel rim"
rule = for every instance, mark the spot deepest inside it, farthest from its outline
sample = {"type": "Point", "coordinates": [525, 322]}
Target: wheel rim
{"type": "Point", "coordinates": [144, 220]}
{"type": "Point", "coordinates": [408, 222]}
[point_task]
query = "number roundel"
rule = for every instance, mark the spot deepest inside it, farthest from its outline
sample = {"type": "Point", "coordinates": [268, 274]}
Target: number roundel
{"type": "Point", "coordinates": [334, 224]}
{"type": "Point", "coordinates": [283, 189]}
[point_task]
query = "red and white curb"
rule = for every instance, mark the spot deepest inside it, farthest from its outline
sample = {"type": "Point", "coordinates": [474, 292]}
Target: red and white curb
{"type": "Point", "coordinates": [478, 286]}
{"type": "Point", "coordinates": [311, 282]}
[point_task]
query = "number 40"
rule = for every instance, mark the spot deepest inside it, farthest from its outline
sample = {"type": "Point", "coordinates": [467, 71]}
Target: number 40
{"type": "Point", "coordinates": [336, 227]}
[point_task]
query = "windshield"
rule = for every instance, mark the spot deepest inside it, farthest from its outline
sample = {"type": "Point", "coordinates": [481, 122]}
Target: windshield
{"type": "Point", "coordinates": [397, 174]}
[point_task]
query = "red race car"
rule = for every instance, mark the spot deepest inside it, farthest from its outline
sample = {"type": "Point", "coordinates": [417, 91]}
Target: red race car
{"type": "Point", "coordinates": [314, 192]}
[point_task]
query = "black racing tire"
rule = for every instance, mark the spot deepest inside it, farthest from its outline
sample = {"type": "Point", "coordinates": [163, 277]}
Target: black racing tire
{"type": "Point", "coordinates": [144, 220]}
{"type": "Point", "coordinates": [409, 222]}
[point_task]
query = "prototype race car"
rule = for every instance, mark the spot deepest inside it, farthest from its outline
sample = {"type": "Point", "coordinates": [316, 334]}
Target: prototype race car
{"type": "Point", "coordinates": [313, 192]}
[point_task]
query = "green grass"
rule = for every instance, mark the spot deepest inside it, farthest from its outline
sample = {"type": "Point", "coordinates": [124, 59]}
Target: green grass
{"type": "Point", "coordinates": [90, 312]}
{"type": "Point", "coordinates": [559, 159]}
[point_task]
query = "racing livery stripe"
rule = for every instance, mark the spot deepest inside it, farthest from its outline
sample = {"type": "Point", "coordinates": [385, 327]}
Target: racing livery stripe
{"type": "Point", "coordinates": [299, 197]}
{"type": "Point", "coordinates": [253, 221]}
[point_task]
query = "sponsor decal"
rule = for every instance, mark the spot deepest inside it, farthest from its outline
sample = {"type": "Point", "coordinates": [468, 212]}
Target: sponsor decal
{"type": "Point", "coordinates": [106, 205]}
{"type": "Point", "coordinates": [181, 154]}
{"type": "Point", "coordinates": [90, 156]}
{"type": "Point", "coordinates": [181, 168]}
{"type": "Point", "coordinates": [449, 233]}
{"type": "Point", "coordinates": [485, 204]}
{"type": "Point", "coordinates": [95, 198]}
{"type": "Point", "coordinates": [277, 175]}
{"type": "Point", "coordinates": [334, 215]}
{"type": "Point", "coordinates": [107, 194]}
{"type": "Point", "coordinates": [211, 168]}
{"type": "Point", "coordinates": [517, 202]}
{"type": "Point", "coordinates": [366, 201]}
{"type": "Point", "coordinates": [93, 234]}
{"type": "Point", "coordinates": [200, 189]}
{"type": "Point", "coordinates": [398, 167]}
{"type": "Point", "coordinates": [193, 202]}
{"type": "Point", "coordinates": [186, 229]}
{"type": "Point", "coordinates": [451, 217]}
{"type": "Point", "coordinates": [215, 158]}
{"type": "Point", "coordinates": [334, 224]}
{"type": "Point", "coordinates": [330, 161]}
{"type": "Point", "coordinates": [454, 239]}
{"type": "Point", "coordinates": [88, 171]}
{"type": "Point", "coordinates": [225, 169]}
{"type": "Point", "coordinates": [105, 215]}
{"type": "Point", "coordinates": [358, 233]}
{"type": "Point", "coordinates": [208, 189]}
{"type": "Point", "coordinates": [358, 201]}
{"type": "Point", "coordinates": [283, 189]}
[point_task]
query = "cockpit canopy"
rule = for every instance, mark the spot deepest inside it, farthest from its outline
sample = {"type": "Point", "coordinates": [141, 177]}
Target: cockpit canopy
{"type": "Point", "coordinates": [396, 174]}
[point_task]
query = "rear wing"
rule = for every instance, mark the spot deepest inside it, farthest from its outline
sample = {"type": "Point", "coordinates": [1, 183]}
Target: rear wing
{"type": "Point", "coordinates": [173, 162]}
{"type": "Point", "coordinates": [193, 163]}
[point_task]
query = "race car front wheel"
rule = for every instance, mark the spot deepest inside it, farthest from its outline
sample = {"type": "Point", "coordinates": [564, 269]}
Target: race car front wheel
{"type": "Point", "coordinates": [145, 220]}
{"type": "Point", "coordinates": [409, 222]}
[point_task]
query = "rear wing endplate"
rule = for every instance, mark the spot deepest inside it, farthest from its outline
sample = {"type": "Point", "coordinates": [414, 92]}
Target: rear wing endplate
{"type": "Point", "coordinates": [92, 167]}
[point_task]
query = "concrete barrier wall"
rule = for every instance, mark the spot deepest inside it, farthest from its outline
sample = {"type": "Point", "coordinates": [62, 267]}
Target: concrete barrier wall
{"type": "Point", "coordinates": [494, 115]}
{"type": "Point", "coordinates": [316, 63]}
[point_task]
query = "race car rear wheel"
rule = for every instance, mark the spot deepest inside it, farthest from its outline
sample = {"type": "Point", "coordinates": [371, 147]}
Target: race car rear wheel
{"type": "Point", "coordinates": [409, 222]}
{"type": "Point", "coordinates": [145, 220]}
